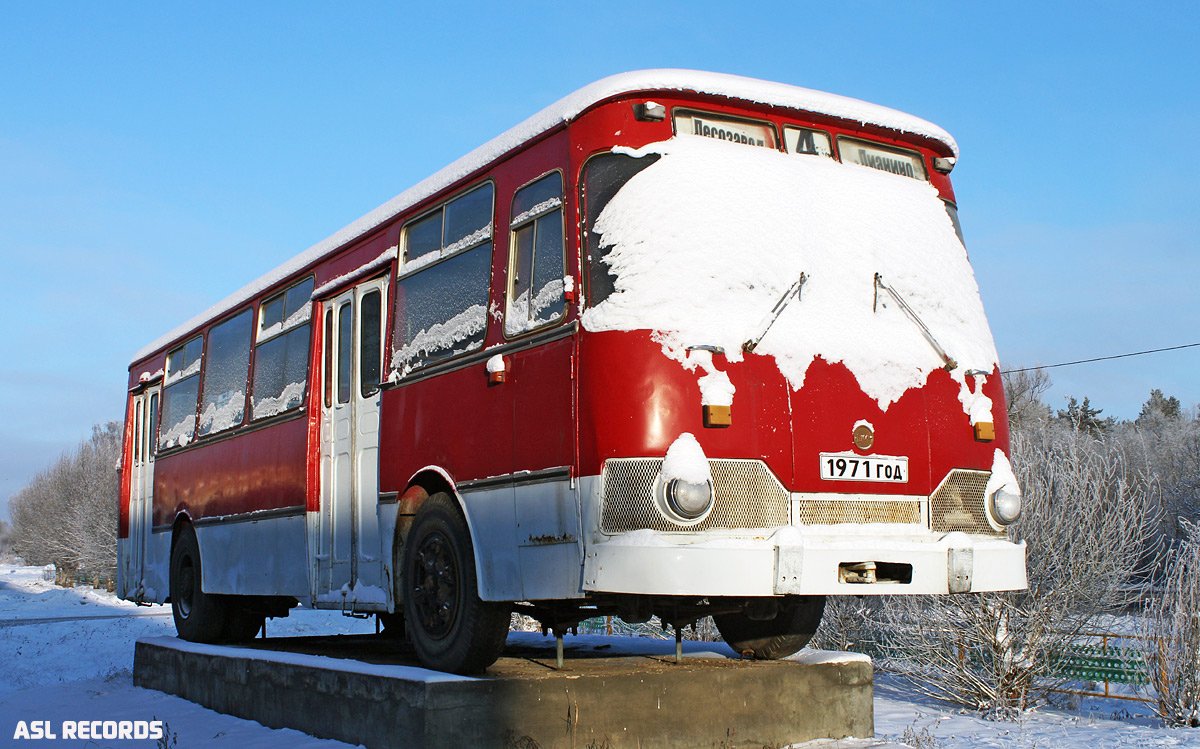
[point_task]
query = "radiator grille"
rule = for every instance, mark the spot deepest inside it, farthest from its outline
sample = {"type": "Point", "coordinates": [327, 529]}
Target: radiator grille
{"type": "Point", "coordinates": [958, 504]}
{"type": "Point", "coordinates": [746, 496]}
{"type": "Point", "coordinates": [832, 511]}
{"type": "Point", "coordinates": [749, 496]}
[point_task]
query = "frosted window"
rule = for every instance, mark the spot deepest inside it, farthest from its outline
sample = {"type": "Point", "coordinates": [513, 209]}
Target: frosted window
{"type": "Point", "coordinates": [603, 176]}
{"type": "Point", "coordinates": [228, 364]}
{"type": "Point", "coordinates": [280, 373]}
{"type": "Point", "coordinates": [535, 294]}
{"type": "Point", "coordinates": [458, 225]}
{"type": "Point", "coordinates": [425, 236]}
{"type": "Point", "coordinates": [468, 216]}
{"type": "Point", "coordinates": [285, 311]}
{"type": "Point", "coordinates": [441, 310]}
{"type": "Point", "coordinates": [181, 395]}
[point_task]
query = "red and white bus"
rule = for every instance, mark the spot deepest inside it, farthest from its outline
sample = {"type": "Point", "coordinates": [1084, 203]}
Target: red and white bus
{"type": "Point", "coordinates": [681, 344]}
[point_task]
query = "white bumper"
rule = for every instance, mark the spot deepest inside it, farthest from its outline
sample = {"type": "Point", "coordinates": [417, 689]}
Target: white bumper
{"type": "Point", "coordinates": [792, 563]}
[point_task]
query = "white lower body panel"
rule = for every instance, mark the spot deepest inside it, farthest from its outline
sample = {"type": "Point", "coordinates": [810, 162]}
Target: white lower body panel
{"type": "Point", "coordinates": [790, 562]}
{"type": "Point", "coordinates": [247, 556]}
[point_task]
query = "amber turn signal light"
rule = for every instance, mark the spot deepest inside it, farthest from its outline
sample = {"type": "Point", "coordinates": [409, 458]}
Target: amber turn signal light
{"type": "Point", "coordinates": [718, 416]}
{"type": "Point", "coordinates": [985, 431]}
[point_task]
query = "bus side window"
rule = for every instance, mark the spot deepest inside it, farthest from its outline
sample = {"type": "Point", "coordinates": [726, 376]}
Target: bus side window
{"type": "Point", "coordinates": [181, 392]}
{"type": "Point", "coordinates": [281, 353]}
{"type": "Point", "coordinates": [223, 402]}
{"type": "Point", "coordinates": [536, 265]}
{"type": "Point", "coordinates": [603, 176]}
{"type": "Point", "coordinates": [328, 358]}
{"type": "Point", "coordinates": [440, 307]}
{"type": "Point", "coordinates": [152, 427]}
{"type": "Point", "coordinates": [345, 350]}
{"type": "Point", "coordinates": [369, 344]}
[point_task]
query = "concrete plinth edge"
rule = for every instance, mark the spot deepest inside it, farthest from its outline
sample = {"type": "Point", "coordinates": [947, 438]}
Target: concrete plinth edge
{"type": "Point", "coordinates": [601, 702]}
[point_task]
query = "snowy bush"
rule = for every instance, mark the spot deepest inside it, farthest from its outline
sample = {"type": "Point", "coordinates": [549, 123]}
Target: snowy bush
{"type": "Point", "coordinates": [849, 623]}
{"type": "Point", "coordinates": [1091, 523]}
{"type": "Point", "coordinates": [1172, 628]}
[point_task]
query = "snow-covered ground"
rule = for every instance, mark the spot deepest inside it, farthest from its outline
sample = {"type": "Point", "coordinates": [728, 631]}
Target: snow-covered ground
{"type": "Point", "coordinates": [67, 654]}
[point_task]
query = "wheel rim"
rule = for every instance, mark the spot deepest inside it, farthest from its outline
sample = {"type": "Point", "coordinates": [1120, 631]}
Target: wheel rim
{"type": "Point", "coordinates": [435, 585]}
{"type": "Point", "coordinates": [187, 586]}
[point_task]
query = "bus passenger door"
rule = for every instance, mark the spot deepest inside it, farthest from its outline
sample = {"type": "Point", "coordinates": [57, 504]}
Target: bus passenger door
{"type": "Point", "coordinates": [141, 495]}
{"type": "Point", "coordinates": [349, 558]}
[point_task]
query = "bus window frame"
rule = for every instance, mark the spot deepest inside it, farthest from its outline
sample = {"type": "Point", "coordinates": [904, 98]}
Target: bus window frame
{"type": "Point", "coordinates": [583, 212]}
{"type": "Point", "coordinates": [199, 376]}
{"type": "Point", "coordinates": [512, 256]}
{"type": "Point", "coordinates": [253, 309]}
{"type": "Point", "coordinates": [257, 341]}
{"type": "Point", "coordinates": [388, 373]}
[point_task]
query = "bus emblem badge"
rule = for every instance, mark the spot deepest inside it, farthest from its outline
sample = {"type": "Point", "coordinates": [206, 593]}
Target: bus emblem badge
{"type": "Point", "coordinates": [863, 437]}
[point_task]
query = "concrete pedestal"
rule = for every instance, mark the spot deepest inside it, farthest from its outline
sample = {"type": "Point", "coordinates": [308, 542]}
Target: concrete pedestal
{"type": "Point", "coordinates": [368, 690]}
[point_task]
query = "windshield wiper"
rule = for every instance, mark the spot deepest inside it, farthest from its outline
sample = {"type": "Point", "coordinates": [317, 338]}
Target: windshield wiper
{"type": "Point", "coordinates": [765, 324]}
{"type": "Point", "coordinates": [879, 284]}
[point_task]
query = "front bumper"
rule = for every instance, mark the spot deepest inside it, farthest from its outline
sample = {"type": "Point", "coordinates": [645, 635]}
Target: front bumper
{"type": "Point", "coordinates": [788, 561]}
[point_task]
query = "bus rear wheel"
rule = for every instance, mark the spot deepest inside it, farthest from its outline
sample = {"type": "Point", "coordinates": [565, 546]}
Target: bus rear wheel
{"type": "Point", "coordinates": [793, 626]}
{"type": "Point", "coordinates": [199, 617]}
{"type": "Point", "coordinates": [450, 627]}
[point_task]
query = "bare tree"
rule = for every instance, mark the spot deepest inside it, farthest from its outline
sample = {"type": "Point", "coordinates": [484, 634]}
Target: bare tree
{"type": "Point", "coordinates": [1089, 517]}
{"type": "Point", "coordinates": [6, 552]}
{"type": "Point", "coordinates": [849, 623]}
{"type": "Point", "coordinates": [1023, 391]}
{"type": "Point", "coordinates": [1171, 624]}
{"type": "Point", "coordinates": [67, 515]}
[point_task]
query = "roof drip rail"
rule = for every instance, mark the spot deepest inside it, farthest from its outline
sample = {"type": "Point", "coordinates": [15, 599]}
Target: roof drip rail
{"type": "Point", "coordinates": [765, 324]}
{"type": "Point", "coordinates": [879, 284]}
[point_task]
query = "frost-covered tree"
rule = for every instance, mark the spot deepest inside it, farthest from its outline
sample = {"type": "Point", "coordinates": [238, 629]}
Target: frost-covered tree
{"type": "Point", "coordinates": [1023, 390]}
{"type": "Point", "coordinates": [1159, 409]}
{"type": "Point", "coordinates": [1172, 628]}
{"type": "Point", "coordinates": [67, 515]}
{"type": "Point", "coordinates": [1083, 418]}
{"type": "Point", "coordinates": [5, 541]}
{"type": "Point", "coordinates": [1090, 514]}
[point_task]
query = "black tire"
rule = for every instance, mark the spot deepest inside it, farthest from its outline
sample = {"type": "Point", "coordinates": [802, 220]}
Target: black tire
{"type": "Point", "coordinates": [199, 617]}
{"type": "Point", "coordinates": [450, 627]}
{"type": "Point", "coordinates": [242, 625]}
{"type": "Point", "coordinates": [772, 639]}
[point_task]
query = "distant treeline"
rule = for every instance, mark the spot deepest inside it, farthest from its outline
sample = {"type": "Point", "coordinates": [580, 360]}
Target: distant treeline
{"type": "Point", "coordinates": [67, 515]}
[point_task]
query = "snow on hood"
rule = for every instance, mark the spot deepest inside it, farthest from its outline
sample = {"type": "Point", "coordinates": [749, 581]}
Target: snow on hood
{"type": "Point", "coordinates": [705, 241]}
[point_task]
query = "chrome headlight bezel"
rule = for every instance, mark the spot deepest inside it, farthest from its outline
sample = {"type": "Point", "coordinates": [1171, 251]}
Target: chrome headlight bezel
{"type": "Point", "coordinates": [1004, 505]}
{"type": "Point", "coordinates": [672, 500]}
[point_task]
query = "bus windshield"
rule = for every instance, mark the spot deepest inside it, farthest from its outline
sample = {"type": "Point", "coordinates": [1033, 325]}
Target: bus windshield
{"type": "Point", "coordinates": [703, 237]}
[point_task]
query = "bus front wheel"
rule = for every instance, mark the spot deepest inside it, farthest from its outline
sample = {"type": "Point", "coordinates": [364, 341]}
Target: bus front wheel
{"type": "Point", "coordinates": [771, 639]}
{"type": "Point", "coordinates": [450, 627]}
{"type": "Point", "coordinates": [199, 617]}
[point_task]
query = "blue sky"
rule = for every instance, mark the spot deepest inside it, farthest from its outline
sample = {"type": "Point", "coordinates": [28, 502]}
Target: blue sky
{"type": "Point", "coordinates": [156, 157]}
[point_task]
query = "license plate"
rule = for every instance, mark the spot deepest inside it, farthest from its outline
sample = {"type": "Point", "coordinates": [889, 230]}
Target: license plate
{"type": "Point", "coordinates": [851, 467]}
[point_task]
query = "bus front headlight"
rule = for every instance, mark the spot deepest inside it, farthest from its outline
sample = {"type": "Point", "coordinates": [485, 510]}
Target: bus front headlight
{"type": "Point", "coordinates": [689, 501]}
{"type": "Point", "coordinates": [1006, 504]}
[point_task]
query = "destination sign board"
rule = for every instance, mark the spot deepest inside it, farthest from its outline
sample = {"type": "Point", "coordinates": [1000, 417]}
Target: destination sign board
{"type": "Point", "coordinates": [724, 128]}
{"type": "Point", "coordinates": [806, 140]}
{"type": "Point", "coordinates": [876, 156]}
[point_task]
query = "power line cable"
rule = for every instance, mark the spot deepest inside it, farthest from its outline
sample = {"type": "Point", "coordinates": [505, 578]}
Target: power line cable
{"type": "Point", "coordinates": [1102, 358]}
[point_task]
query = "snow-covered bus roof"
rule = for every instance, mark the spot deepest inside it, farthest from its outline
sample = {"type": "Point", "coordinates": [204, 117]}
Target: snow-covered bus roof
{"type": "Point", "coordinates": [564, 110]}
